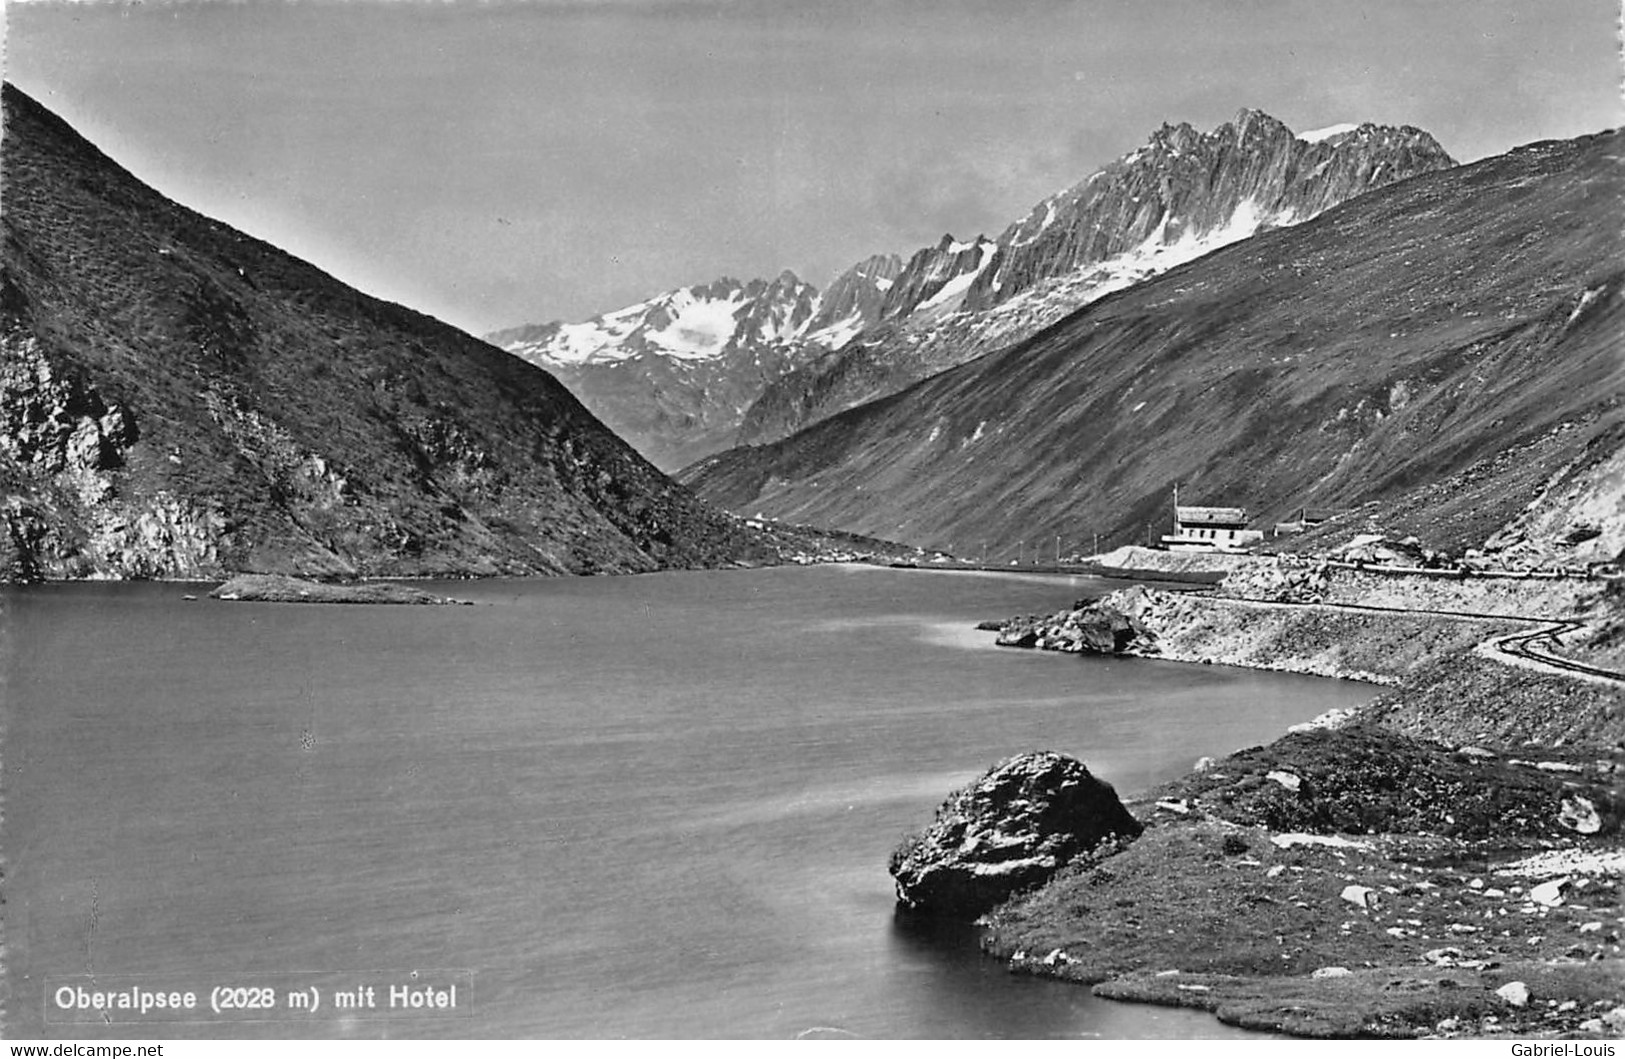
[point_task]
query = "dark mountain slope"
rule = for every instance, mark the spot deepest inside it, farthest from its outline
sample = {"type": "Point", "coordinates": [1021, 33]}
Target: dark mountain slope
{"type": "Point", "coordinates": [179, 399]}
{"type": "Point", "coordinates": [1430, 354]}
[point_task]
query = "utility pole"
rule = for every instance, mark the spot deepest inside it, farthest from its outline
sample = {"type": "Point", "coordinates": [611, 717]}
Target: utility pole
{"type": "Point", "coordinates": [1057, 549]}
{"type": "Point", "coordinates": [1021, 550]}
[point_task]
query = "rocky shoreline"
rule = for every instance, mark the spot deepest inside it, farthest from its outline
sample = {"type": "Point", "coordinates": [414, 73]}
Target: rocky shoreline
{"type": "Point", "coordinates": [1444, 862]}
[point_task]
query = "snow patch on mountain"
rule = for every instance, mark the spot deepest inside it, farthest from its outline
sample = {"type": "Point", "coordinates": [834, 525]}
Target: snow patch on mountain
{"type": "Point", "coordinates": [839, 333]}
{"type": "Point", "coordinates": [591, 341]}
{"type": "Point", "coordinates": [1051, 299]}
{"type": "Point", "coordinates": [952, 293]}
{"type": "Point", "coordinates": [700, 328]}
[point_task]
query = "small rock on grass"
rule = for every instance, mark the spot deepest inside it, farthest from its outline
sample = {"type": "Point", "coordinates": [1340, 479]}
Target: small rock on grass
{"type": "Point", "coordinates": [1514, 993]}
{"type": "Point", "coordinates": [1579, 815]}
{"type": "Point", "coordinates": [1360, 896]}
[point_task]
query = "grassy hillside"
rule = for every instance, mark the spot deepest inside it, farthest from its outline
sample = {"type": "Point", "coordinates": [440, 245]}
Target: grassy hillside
{"type": "Point", "coordinates": [180, 399]}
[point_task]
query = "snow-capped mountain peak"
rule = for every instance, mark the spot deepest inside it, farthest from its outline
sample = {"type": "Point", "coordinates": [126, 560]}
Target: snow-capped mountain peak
{"type": "Point", "coordinates": [1181, 195]}
{"type": "Point", "coordinates": [701, 322]}
{"type": "Point", "coordinates": [698, 350]}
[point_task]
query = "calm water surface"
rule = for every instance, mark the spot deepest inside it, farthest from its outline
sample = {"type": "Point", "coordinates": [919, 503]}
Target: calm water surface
{"type": "Point", "coordinates": [644, 806]}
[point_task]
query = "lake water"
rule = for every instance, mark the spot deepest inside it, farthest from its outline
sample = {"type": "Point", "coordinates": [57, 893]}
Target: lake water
{"type": "Point", "coordinates": [641, 806]}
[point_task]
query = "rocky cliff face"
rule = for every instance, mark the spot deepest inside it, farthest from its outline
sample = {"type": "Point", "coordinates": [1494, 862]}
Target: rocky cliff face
{"type": "Point", "coordinates": [936, 278]}
{"type": "Point", "coordinates": [1431, 358]}
{"type": "Point", "coordinates": [64, 451]}
{"type": "Point", "coordinates": [178, 399]}
{"type": "Point", "coordinates": [854, 300]}
{"type": "Point", "coordinates": [1187, 187]}
{"type": "Point", "coordinates": [1182, 195]}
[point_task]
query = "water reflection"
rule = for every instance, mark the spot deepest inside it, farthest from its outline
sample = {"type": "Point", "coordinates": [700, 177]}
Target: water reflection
{"type": "Point", "coordinates": [958, 991]}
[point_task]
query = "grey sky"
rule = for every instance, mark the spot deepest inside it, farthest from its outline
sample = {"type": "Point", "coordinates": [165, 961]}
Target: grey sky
{"type": "Point", "coordinates": [499, 163]}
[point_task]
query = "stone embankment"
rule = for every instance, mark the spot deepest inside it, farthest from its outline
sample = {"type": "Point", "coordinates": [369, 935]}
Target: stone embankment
{"type": "Point", "coordinates": [1380, 648]}
{"type": "Point", "coordinates": [1291, 579]}
{"type": "Point", "coordinates": [1435, 642]}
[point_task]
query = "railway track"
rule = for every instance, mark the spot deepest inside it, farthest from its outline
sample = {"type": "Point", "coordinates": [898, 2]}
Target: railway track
{"type": "Point", "coordinates": [1522, 645]}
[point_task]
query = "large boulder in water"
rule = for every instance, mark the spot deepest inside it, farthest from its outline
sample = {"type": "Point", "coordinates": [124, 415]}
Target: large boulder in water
{"type": "Point", "coordinates": [1008, 831]}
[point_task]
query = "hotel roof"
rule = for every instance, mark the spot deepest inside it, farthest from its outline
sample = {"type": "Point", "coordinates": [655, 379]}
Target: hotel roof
{"type": "Point", "coordinates": [1211, 516]}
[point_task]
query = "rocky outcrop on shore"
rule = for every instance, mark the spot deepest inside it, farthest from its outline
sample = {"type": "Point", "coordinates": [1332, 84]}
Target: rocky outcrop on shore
{"type": "Point", "coordinates": [1104, 626]}
{"type": "Point", "coordinates": [1007, 832]}
{"type": "Point", "coordinates": [276, 588]}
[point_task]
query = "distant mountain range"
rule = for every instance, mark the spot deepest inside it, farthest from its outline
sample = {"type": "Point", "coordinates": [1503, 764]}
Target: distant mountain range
{"type": "Point", "coordinates": [178, 399]}
{"type": "Point", "coordinates": [692, 371]}
{"type": "Point", "coordinates": [677, 371]}
{"type": "Point", "coordinates": [1442, 356]}
{"type": "Point", "coordinates": [1182, 195]}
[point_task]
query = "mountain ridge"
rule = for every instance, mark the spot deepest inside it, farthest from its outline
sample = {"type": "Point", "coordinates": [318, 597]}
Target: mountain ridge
{"type": "Point", "coordinates": [886, 321]}
{"type": "Point", "coordinates": [1183, 194]}
{"type": "Point", "coordinates": [1429, 356]}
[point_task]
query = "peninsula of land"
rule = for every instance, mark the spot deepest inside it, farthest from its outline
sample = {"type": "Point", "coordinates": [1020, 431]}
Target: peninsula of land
{"type": "Point", "coordinates": [278, 588]}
